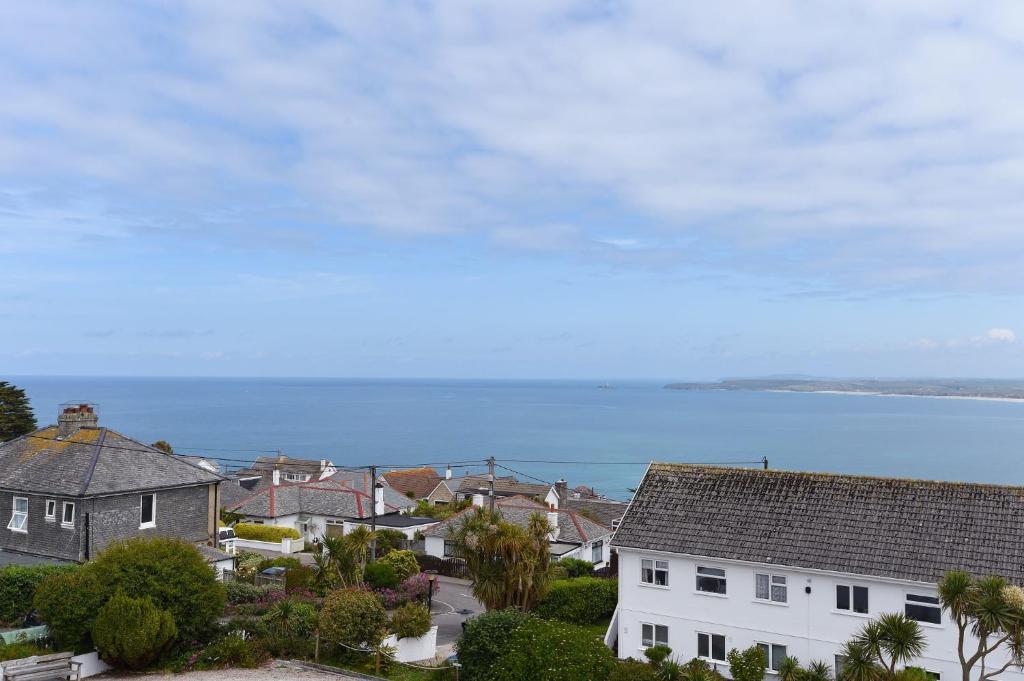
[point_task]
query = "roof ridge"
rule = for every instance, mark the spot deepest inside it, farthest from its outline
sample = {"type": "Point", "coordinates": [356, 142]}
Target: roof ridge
{"type": "Point", "coordinates": [87, 480]}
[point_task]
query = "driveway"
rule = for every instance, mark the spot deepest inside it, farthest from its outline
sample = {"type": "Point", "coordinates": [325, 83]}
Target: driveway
{"type": "Point", "coordinates": [453, 605]}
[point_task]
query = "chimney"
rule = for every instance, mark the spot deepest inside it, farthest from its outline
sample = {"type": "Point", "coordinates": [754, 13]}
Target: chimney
{"type": "Point", "coordinates": [478, 500]}
{"type": "Point", "coordinates": [448, 472]}
{"type": "Point", "coordinates": [378, 498]}
{"type": "Point", "coordinates": [553, 522]}
{"type": "Point", "coordinates": [75, 416]}
{"type": "Point", "coordinates": [323, 464]}
{"type": "Point", "coordinates": [562, 491]}
{"type": "Point", "coordinates": [276, 476]}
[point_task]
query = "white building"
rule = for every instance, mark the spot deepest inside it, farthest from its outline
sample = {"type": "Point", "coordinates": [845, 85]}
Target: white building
{"type": "Point", "coordinates": [712, 559]}
{"type": "Point", "coordinates": [572, 535]}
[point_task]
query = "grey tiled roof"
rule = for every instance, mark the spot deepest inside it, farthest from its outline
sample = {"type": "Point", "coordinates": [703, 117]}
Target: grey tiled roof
{"type": "Point", "coordinates": [325, 497]}
{"type": "Point", "coordinates": [572, 527]}
{"type": "Point", "coordinates": [91, 461]}
{"type": "Point", "coordinates": [602, 510]}
{"type": "Point", "coordinates": [503, 485]}
{"type": "Point", "coordinates": [886, 527]}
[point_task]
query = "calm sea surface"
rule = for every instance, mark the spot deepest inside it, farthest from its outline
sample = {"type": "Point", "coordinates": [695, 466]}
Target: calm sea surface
{"type": "Point", "coordinates": [358, 422]}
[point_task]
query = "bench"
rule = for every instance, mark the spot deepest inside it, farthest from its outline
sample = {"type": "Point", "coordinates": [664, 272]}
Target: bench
{"type": "Point", "coordinates": [40, 667]}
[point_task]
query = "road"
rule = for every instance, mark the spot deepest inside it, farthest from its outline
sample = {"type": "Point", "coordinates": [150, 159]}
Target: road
{"type": "Point", "coordinates": [453, 604]}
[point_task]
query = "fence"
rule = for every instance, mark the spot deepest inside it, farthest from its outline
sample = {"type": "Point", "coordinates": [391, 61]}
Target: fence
{"type": "Point", "coordinates": [611, 570]}
{"type": "Point", "coordinates": [449, 567]}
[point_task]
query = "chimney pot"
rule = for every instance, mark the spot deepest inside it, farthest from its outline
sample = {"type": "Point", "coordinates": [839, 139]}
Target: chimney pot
{"type": "Point", "coordinates": [378, 498]}
{"type": "Point", "coordinates": [73, 417]}
{"type": "Point", "coordinates": [277, 477]}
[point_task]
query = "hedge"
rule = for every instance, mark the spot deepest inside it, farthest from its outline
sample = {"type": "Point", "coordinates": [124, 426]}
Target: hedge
{"type": "Point", "coordinates": [553, 651]}
{"type": "Point", "coordinates": [270, 533]}
{"type": "Point", "coordinates": [18, 586]}
{"type": "Point", "coordinates": [484, 639]}
{"type": "Point", "coordinates": [353, 617]}
{"type": "Point", "coordinates": [583, 600]}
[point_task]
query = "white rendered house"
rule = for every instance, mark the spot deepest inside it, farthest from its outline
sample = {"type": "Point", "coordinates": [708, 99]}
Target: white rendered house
{"type": "Point", "coordinates": [712, 559]}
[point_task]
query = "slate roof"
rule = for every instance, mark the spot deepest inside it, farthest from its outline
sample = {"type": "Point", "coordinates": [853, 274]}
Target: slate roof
{"type": "Point", "coordinates": [316, 497]}
{"type": "Point", "coordinates": [361, 480]}
{"type": "Point", "coordinates": [503, 485]}
{"type": "Point", "coordinates": [572, 527]}
{"type": "Point", "coordinates": [284, 463]}
{"type": "Point", "coordinates": [418, 481]}
{"type": "Point", "coordinates": [603, 510]}
{"type": "Point", "coordinates": [886, 527]}
{"type": "Point", "coordinates": [91, 461]}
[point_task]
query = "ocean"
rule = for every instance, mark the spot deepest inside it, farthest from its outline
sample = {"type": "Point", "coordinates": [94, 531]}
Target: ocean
{"type": "Point", "coordinates": [599, 437]}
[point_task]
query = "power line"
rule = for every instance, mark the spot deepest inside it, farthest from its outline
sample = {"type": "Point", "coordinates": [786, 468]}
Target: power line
{"type": "Point", "coordinates": [633, 463]}
{"type": "Point", "coordinates": [525, 475]}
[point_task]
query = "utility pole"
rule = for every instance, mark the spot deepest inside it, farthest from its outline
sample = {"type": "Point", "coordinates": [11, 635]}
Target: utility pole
{"type": "Point", "coordinates": [373, 513]}
{"type": "Point", "coordinates": [490, 480]}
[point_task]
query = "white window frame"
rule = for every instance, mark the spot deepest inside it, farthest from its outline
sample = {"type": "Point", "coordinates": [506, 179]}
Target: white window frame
{"type": "Point", "coordinates": [64, 514]}
{"type": "Point", "coordinates": [711, 647]}
{"type": "Point", "coordinates": [655, 568]}
{"type": "Point", "coordinates": [935, 606]}
{"type": "Point", "coordinates": [724, 577]}
{"type": "Point", "coordinates": [51, 510]}
{"type": "Point", "coordinates": [936, 676]}
{"type": "Point", "coordinates": [772, 665]}
{"type": "Point", "coordinates": [151, 523]}
{"type": "Point", "coordinates": [851, 610]}
{"type": "Point", "coordinates": [772, 585]}
{"type": "Point", "coordinates": [654, 635]}
{"type": "Point", "coordinates": [16, 514]}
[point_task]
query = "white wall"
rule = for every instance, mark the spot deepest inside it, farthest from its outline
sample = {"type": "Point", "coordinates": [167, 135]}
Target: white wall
{"type": "Point", "coordinates": [808, 624]}
{"type": "Point", "coordinates": [434, 546]}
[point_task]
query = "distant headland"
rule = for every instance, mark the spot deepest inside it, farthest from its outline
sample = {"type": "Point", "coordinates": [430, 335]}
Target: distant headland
{"type": "Point", "coordinates": [977, 389]}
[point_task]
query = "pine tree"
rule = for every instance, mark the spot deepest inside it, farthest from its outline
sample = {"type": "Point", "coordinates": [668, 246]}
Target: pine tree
{"type": "Point", "coordinates": [16, 417]}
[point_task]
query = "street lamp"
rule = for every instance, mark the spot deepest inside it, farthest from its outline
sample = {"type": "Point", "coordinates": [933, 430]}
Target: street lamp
{"type": "Point", "coordinates": [431, 578]}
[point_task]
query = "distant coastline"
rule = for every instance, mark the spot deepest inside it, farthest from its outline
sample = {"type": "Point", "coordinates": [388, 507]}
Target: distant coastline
{"type": "Point", "coordinates": [960, 389]}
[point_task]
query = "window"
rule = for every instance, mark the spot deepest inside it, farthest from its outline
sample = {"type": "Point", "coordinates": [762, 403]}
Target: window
{"type": "Point", "coordinates": [770, 588]}
{"type": "Point", "coordinates": [19, 515]}
{"type": "Point", "coordinates": [69, 514]}
{"type": "Point", "coordinates": [840, 665]}
{"type": "Point", "coordinates": [773, 655]}
{"type": "Point", "coordinates": [148, 516]}
{"type": "Point", "coordinates": [935, 676]}
{"type": "Point", "coordinates": [859, 602]}
{"type": "Point", "coordinates": [711, 580]}
{"type": "Point", "coordinates": [597, 553]}
{"type": "Point", "coordinates": [51, 509]}
{"type": "Point", "coordinates": [653, 635]}
{"type": "Point", "coordinates": [654, 572]}
{"type": "Point", "coordinates": [923, 609]}
{"type": "Point", "coordinates": [451, 548]}
{"type": "Point", "coordinates": [711, 647]}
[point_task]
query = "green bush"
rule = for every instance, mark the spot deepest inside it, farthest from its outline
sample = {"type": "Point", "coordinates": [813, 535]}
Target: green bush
{"type": "Point", "coordinates": [18, 586]}
{"type": "Point", "coordinates": [239, 593]}
{"type": "Point", "coordinates": [231, 651]}
{"type": "Point", "coordinates": [554, 651]}
{"type": "Point", "coordinates": [353, 617]}
{"type": "Point", "coordinates": [68, 603]}
{"type": "Point", "coordinates": [270, 533]}
{"type": "Point", "coordinates": [412, 620]}
{"type": "Point", "coordinates": [484, 639]}
{"type": "Point", "coordinates": [657, 654]}
{"type": "Point", "coordinates": [632, 670]}
{"type": "Point", "coordinates": [748, 664]}
{"type": "Point", "coordinates": [380, 576]}
{"type": "Point", "coordinates": [389, 540]}
{"type": "Point", "coordinates": [403, 562]}
{"type": "Point", "coordinates": [288, 628]}
{"type": "Point", "coordinates": [583, 600]}
{"type": "Point", "coordinates": [132, 632]}
{"type": "Point", "coordinates": [246, 563]}
{"type": "Point", "coordinates": [20, 649]}
{"type": "Point", "coordinates": [298, 578]}
{"type": "Point", "coordinates": [574, 567]}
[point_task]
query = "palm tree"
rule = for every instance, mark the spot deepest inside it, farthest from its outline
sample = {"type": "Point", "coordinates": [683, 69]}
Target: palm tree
{"type": "Point", "coordinates": [790, 670]}
{"type": "Point", "coordinates": [894, 636]}
{"type": "Point", "coordinates": [817, 670]}
{"type": "Point", "coordinates": [859, 664]}
{"type": "Point", "coordinates": [360, 541]}
{"type": "Point", "coordinates": [991, 610]}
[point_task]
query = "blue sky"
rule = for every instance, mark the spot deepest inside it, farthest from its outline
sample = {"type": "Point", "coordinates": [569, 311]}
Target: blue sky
{"type": "Point", "coordinates": [530, 189]}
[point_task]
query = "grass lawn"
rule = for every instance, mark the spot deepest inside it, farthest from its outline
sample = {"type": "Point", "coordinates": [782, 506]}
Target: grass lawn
{"type": "Point", "coordinates": [600, 627]}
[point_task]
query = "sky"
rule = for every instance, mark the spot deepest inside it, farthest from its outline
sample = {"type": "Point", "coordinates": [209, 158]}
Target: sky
{"type": "Point", "coordinates": [535, 189]}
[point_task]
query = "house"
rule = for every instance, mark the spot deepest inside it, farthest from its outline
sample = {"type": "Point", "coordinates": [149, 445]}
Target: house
{"type": "Point", "coordinates": [318, 507]}
{"type": "Point", "coordinates": [208, 463]}
{"type": "Point", "coordinates": [415, 483]}
{"type": "Point", "coordinates": [712, 559]}
{"type": "Point", "coordinates": [68, 490]}
{"type": "Point", "coordinates": [586, 502]}
{"type": "Point", "coordinates": [453, 489]}
{"type": "Point", "coordinates": [572, 535]}
{"type": "Point", "coordinates": [289, 469]}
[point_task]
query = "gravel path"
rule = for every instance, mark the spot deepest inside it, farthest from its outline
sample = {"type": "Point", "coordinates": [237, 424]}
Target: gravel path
{"type": "Point", "coordinates": [275, 671]}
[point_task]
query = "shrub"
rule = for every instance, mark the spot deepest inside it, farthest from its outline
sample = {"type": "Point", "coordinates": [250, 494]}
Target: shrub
{"type": "Point", "coordinates": [231, 651]}
{"type": "Point", "coordinates": [484, 639]}
{"type": "Point", "coordinates": [18, 586]}
{"type": "Point", "coordinates": [632, 670]}
{"type": "Point", "coordinates": [132, 632]}
{"type": "Point", "coordinates": [389, 540]}
{"type": "Point", "coordinates": [287, 630]}
{"type": "Point", "coordinates": [246, 563]}
{"type": "Point", "coordinates": [243, 592]}
{"type": "Point", "coordinates": [747, 665]}
{"type": "Point", "coordinates": [287, 562]}
{"type": "Point", "coordinates": [574, 567]}
{"type": "Point", "coordinates": [582, 600]}
{"type": "Point", "coordinates": [20, 649]}
{"type": "Point", "coordinates": [171, 572]}
{"type": "Point", "coordinates": [68, 603]}
{"type": "Point", "coordinates": [410, 621]}
{"type": "Point", "coordinates": [380, 576]}
{"type": "Point", "coordinates": [403, 562]}
{"type": "Point", "coordinates": [298, 578]}
{"type": "Point", "coordinates": [657, 654]}
{"type": "Point", "coordinates": [353, 617]}
{"type": "Point", "coordinates": [270, 533]}
{"type": "Point", "coordinates": [417, 587]}
{"type": "Point", "coordinates": [554, 651]}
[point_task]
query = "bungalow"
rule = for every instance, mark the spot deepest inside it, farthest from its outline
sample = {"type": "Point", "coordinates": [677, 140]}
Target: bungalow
{"type": "Point", "coordinates": [289, 469]}
{"type": "Point", "coordinates": [415, 483]}
{"type": "Point", "coordinates": [453, 489]}
{"type": "Point", "coordinates": [572, 535]}
{"type": "Point", "coordinates": [68, 490]}
{"type": "Point", "coordinates": [712, 559]}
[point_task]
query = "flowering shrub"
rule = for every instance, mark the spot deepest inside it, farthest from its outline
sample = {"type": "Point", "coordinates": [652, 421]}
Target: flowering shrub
{"type": "Point", "coordinates": [416, 589]}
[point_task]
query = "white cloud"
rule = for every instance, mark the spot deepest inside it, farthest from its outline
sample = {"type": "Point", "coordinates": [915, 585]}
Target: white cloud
{"type": "Point", "coordinates": [1001, 336]}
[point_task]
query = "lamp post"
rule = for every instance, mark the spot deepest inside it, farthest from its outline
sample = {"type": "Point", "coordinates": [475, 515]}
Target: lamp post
{"type": "Point", "coordinates": [431, 578]}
